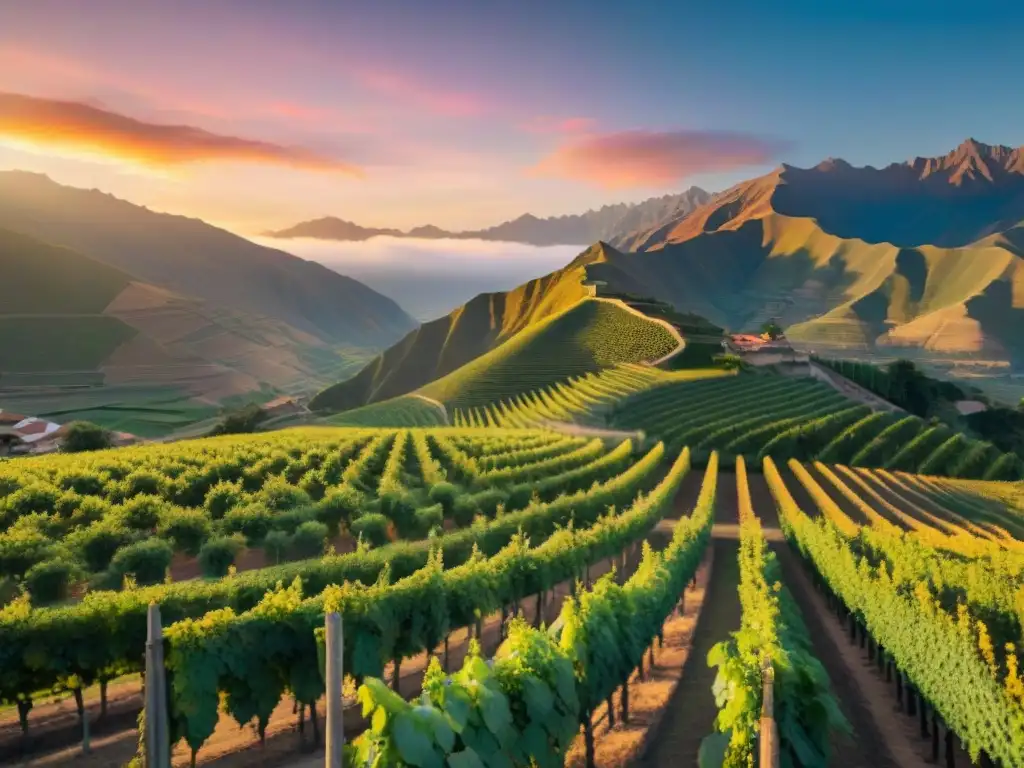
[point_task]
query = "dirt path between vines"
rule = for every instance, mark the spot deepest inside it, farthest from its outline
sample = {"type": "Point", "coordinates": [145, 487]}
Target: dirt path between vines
{"type": "Point", "coordinates": [690, 713]}
{"type": "Point", "coordinates": [232, 746]}
{"type": "Point", "coordinates": [881, 737]}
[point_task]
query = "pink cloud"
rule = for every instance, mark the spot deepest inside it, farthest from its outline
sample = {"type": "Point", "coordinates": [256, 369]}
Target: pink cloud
{"type": "Point", "coordinates": [558, 125]}
{"type": "Point", "coordinates": [640, 158]}
{"type": "Point", "coordinates": [448, 103]}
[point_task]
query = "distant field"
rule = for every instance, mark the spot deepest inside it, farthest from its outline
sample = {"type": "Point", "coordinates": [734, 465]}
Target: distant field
{"type": "Point", "coordinates": [59, 343]}
{"type": "Point", "coordinates": [586, 338]}
{"type": "Point", "coordinates": [141, 410]}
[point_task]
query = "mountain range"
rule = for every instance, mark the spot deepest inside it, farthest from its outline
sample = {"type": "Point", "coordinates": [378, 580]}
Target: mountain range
{"type": "Point", "coordinates": [605, 223]}
{"type": "Point", "coordinates": [923, 258]}
{"type": "Point", "coordinates": [97, 292]}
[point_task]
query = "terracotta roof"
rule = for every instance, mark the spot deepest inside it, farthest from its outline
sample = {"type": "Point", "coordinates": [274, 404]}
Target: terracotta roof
{"type": "Point", "coordinates": [32, 428]}
{"type": "Point", "coordinates": [6, 417]}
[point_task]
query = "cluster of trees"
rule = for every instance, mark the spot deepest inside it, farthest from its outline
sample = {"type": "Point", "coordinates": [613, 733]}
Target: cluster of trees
{"type": "Point", "coordinates": [240, 421]}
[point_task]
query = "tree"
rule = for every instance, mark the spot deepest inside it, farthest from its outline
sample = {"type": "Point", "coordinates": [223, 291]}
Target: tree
{"type": "Point", "coordinates": [240, 421]}
{"type": "Point", "coordinates": [85, 436]}
{"type": "Point", "coordinates": [772, 330]}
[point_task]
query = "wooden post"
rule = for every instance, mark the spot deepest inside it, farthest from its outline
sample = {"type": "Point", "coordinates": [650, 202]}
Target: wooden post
{"type": "Point", "coordinates": [158, 748]}
{"type": "Point", "coordinates": [335, 677]}
{"type": "Point", "coordinates": [625, 700]}
{"type": "Point", "coordinates": [588, 739]}
{"type": "Point", "coordinates": [769, 742]}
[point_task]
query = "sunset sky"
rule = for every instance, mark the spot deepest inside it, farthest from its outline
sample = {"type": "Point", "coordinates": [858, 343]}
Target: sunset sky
{"type": "Point", "coordinates": [255, 114]}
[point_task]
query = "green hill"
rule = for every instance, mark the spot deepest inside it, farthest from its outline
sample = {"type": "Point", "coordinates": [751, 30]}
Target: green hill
{"type": "Point", "coordinates": [587, 337]}
{"type": "Point", "coordinates": [441, 346]}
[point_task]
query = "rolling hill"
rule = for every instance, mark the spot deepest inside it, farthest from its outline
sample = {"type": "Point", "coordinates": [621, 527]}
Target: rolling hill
{"type": "Point", "coordinates": [194, 259]}
{"type": "Point", "coordinates": [82, 338]}
{"type": "Point", "coordinates": [439, 347]}
{"type": "Point", "coordinates": [585, 338]}
{"type": "Point", "coordinates": [602, 224]}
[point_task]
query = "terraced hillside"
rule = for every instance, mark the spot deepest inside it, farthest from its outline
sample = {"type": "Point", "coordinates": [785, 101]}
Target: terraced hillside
{"type": "Point", "coordinates": [583, 400]}
{"type": "Point", "coordinates": [80, 339]}
{"type": "Point", "coordinates": [781, 417]}
{"type": "Point", "coordinates": [586, 338]}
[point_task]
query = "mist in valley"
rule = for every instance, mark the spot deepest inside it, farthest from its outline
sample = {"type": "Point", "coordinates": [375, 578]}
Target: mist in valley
{"type": "Point", "coordinates": [429, 278]}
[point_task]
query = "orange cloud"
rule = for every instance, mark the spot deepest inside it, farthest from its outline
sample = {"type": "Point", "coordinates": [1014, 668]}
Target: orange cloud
{"type": "Point", "coordinates": [653, 158]}
{"type": "Point", "coordinates": [563, 125]}
{"type": "Point", "coordinates": [71, 126]}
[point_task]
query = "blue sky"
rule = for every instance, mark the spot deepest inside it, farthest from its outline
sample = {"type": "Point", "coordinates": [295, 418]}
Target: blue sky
{"type": "Point", "coordinates": [463, 114]}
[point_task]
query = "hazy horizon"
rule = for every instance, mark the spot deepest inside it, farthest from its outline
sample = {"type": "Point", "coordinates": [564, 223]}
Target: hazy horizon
{"type": "Point", "coordinates": [429, 278]}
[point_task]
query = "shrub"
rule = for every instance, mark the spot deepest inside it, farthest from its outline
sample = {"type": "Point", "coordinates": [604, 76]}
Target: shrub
{"type": "Point", "coordinates": [465, 510]}
{"type": "Point", "coordinates": [143, 481]}
{"type": "Point", "coordinates": [85, 436]}
{"type": "Point", "coordinates": [373, 527]}
{"type": "Point", "coordinates": [21, 548]}
{"type": "Point", "coordinates": [309, 539]}
{"type": "Point", "coordinates": [85, 483]}
{"type": "Point", "coordinates": [50, 580]}
{"type": "Point", "coordinates": [293, 518]}
{"type": "Point", "coordinates": [90, 509]}
{"type": "Point", "coordinates": [427, 518]}
{"type": "Point", "coordinates": [339, 506]}
{"type": "Point", "coordinates": [275, 546]}
{"type": "Point", "coordinates": [314, 484]}
{"type": "Point", "coordinates": [146, 560]}
{"type": "Point", "coordinates": [186, 529]}
{"type": "Point", "coordinates": [97, 542]}
{"type": "Point", "coordinates": [67, 504]}
{"type": "Point", "coordinates": [190, 488]}
{"type": "Point", "coordinates": [253, 521]}
{"type": "Point", "coordinates": [400, 508]}
{"type": "Point", "coordinates": [218, 555]}
{"type": "Point", "coordinates": [488, 501]}
{"type": "Point", "coordinates": [240, 421]}
{"type": "Point", "coordinates": [279, 495]}
{"type": "Point", "coordinates": [221, 498]}
{"type": "Point", "coordinates": [445, 494]}
{"type": "Point", "coordinates": [36, 497]}
{"type": "Point", "coordinates": [141, 513]}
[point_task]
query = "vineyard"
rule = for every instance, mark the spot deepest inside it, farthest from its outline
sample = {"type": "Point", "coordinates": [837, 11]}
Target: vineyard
{"type": "Point", "coordinates": [589, 337]}
{"type": "Point", "coordinates": [761, 416]}
{"type": "Point", "coordinates": [506, 592]}
{"type": "Point", "coordinates": [582, 399]}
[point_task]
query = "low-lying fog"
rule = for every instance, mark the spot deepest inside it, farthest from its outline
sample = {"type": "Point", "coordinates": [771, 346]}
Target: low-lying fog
{"type": "Point", "coordinates": [429, 278]}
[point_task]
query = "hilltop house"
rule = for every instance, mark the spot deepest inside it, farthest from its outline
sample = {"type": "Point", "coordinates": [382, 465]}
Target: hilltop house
{"type": "Point", "coordinates": [33, 434]}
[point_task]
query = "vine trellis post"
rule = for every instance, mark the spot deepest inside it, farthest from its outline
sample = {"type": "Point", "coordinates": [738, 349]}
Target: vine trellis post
{"type": "Point", "coordinates": [769, 741]}
{"type": "Point", "coordinates": [157, 737]}
{"type": "Point", "coordinates": [335, 676]}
